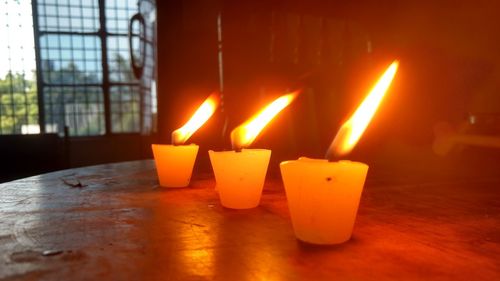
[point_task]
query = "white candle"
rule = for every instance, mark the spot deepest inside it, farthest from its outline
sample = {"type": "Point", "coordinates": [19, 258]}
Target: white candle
{"type": "Point", "coordinates": [323, 198]}
{"type": "Point", "coordinates": [174, 163]}
{"type": "Point", "coordinates": [240, 176]}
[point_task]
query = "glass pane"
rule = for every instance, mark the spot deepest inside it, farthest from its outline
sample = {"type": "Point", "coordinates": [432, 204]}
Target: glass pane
{"type": "Point", "coordinates": [71, 59]}
{"type": "Point", "coordinates": [18, 91]}
{"type": "Point", "coordinates": [79, 108]}
{"type": "Point", "coordinates": [73, 16]}
{"type": "Point", "coordinates": [118, 14]}
{"type": "Point", "coordinates": [125, 110]}
{"type": "Point", "coordinates": [119, 60]}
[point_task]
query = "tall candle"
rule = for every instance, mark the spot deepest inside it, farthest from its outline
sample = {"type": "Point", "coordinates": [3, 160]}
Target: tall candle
{"type": "Point", "coordinates": [323, 196]}
{"type": "Point", "coordinates": [240, 174]}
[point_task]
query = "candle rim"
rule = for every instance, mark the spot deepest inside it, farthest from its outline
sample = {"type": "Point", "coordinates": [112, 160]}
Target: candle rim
{"type": "Point", "coordinates": [174, 145]}
{"type": "Point", "coordinates": [321, 161]}
{"type": "Point", "coordinates": [242, 150]}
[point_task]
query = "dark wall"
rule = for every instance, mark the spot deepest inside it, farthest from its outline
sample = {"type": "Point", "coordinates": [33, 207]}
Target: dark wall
{"type": "Point", "coordinates": [28, 155]}
{"type": "Point", "coordinates": [448, 53]}
{"type": "Point", "coordinates": [115, 148]}
{"type": "Point", "coordinates": [335, 50]}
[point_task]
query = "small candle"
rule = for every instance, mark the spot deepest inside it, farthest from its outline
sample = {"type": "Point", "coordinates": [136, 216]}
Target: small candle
{"type": "Point", "coordinates": [240, 174]}
{"type": "Point", "coordinates": [323, 196]}
{"type": "Point", "coordinates": [175, 162]}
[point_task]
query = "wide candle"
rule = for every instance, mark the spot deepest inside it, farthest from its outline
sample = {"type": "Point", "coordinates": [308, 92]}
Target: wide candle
{"type": "Point", "coordinates": [323, 195]}
{"type": "Point", "coordinates": [175, 162]}
{"type": "Point", "coordinates": [240, 174]}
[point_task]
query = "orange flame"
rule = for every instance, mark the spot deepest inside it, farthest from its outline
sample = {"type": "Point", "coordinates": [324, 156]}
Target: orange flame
{"type": "Point", "coordinates": [204, 112]}
{"type": "Point", "coordinates": [351, 131]}
{"type": "Point", "coordinates": [243, 135]}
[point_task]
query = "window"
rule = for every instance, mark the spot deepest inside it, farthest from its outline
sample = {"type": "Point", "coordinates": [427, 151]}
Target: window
{"type": "Point", "coordinates": [88, 85]}
{"type": "Point", "coordinates": [18, 88]}
{"type": "Point", "coordinates": [84, 81]}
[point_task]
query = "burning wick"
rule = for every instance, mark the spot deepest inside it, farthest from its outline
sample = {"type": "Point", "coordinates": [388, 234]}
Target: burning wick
{"type": "Point", "coordinates": [174, 162]}
{"type": "Point", "coordinates": [246, 133]}
{"type": "Point", "coordinates": [240, 173]}
{"type": "Point", "coordinates": [351, 131]}
{"type": "Point", "coordinates": [323, 196]}
{"type": "Point", "coordinates": [204, 112]}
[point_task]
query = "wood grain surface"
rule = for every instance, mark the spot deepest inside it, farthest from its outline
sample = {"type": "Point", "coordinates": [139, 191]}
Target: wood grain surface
{"type": "Point", "coordinates": [113, 222]}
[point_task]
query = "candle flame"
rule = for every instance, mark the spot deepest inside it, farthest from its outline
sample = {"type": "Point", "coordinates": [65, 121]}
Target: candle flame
{"type": "Point", "coordinates": [204, 112]}
{"type": "Point", "coordinates": [243, 135]}
{"type": "Point", "coordinates": [351, 131]}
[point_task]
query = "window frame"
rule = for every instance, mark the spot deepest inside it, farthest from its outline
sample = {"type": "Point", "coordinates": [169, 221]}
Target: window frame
{"type": "Point", "coordinates": [106, 84]}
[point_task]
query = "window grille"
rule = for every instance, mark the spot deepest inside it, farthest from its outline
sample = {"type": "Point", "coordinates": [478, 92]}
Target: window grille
{"type": "Point", "coordinates": [18, 88]}
{"type": "Point", "coordinates": [87, 83]}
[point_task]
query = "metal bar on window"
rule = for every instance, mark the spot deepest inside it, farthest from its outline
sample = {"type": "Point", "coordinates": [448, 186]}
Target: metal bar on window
{"type": "Point", "coordinates": [105, 67]}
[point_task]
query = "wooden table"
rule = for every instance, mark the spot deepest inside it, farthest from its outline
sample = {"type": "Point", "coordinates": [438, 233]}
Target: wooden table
{"type": "Point", "coordinates": [120, 225]}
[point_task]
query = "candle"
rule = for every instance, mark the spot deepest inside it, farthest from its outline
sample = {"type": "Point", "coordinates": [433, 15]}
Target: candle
{"type": "Point", "coordinates": [240, 174]}
{"type": "Point", "coordinates": [175, 162]}
{"type": "Point", "coordinates": [323, 196]}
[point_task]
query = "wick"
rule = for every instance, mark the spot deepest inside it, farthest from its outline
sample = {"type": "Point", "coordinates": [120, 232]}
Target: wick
{"type": "Point", "coordinates": [332, 156]}
{"type": "Point", "coordinates": [236, 147]}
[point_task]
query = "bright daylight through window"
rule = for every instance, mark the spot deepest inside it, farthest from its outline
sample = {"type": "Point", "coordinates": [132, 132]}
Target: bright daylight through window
{"type": "Point", "coordinates": [18, 92]}
{"type": "Point", "coordinates": [85, 81]}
